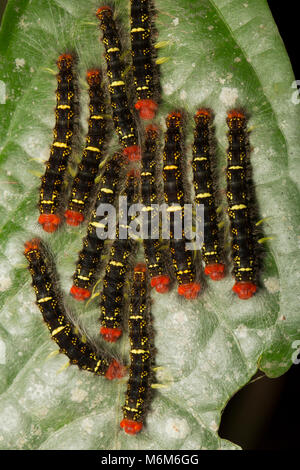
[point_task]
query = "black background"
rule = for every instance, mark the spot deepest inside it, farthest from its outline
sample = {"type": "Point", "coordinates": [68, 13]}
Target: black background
{"type": "Point", "coordinates": [265, 414]}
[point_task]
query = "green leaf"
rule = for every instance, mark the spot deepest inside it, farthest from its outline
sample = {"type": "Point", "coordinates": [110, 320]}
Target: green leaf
{"type": "Point", "coordinates": [222, 53]}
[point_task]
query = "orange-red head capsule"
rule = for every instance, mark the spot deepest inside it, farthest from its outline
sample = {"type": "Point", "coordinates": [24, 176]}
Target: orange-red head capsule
{"type": "Point", "coordinates": [203, 112]}
{"type": "Point", "coordinates": [140, 268]}
{"type": "Point", "coordinates": [103, 9]}
{"type": "Point", "coordinates": [235, 113]}
{"type": "Point", "coordinates": [130, 426]}
{"type": "Point", "coordinates": [189, 291]}
{"type": "Point", "coordinates": [111, 335]}
{"type": "Point", "coordinates": [31, 245]}
{"type": "Point", "coordinates": [133, 153]}
{"type": "Point", "coordinates": [64, 60]}
{"type": "Point", "coordinates": [161, 284]}
{"type": "Point", "coordinates": [215, 271]}
{"type": "Point", "coordinates": [73, 218]}
{"type": "Point", "coordinates": [79, 293]}
{"type": "Point", "coordinates": [115, 370]}
{"type": "Point", "coordinates": [93, 76]}
{"type": "Point", "coordinates": [147, 109]}
{"type": "Point", "coordinates": [244, 289]}
{"type": "Point", "coordinates": [49, 222]}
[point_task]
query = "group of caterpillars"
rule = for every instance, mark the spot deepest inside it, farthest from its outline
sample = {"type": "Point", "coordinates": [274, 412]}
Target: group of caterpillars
{"type": "Point", "coordinates": [138, 164]}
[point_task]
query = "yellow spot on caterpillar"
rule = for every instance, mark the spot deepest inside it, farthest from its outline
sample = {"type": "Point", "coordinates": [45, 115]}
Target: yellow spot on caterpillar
{"type": "Point", "coordinates": [97, 366]}
{"type": "Point", "coordinates": [113, 49]}
{"type": "Point", "coordinates": [137, 30]}
{"type": "Point", "coordinates": [116, 263]}
{"type": "Point", "coordinates": [106, 190]}
{"type": "Point", "coordinates": [83, 278]}
{"type": "Point", "coordinates": [138, 351]}
{"type": "Point", "coordinates": [98, 224]}
{"type": "Point", "coordinates": [63, 106]}
{"type": "Point", "coordinates": [97, 116]}
{"type": "Point", "coordinates": [202, 195]}
{"type": "Point", "coordinates": [235, 167]}
{"type": "Point", "coordinates": [58, 330]}
{"type": "Point", "coordinates": [135, 317]}
{"type": "Point", "coordinates": [78, 201]}
{"type": "Point", "coordinates": [238, 207]}
{"type": "Point", "coordinates": [170, 167]}
{"type": "Point", "coordinates": [130, 409]}
{"type": "Point", "coordinates": [174, 208]}
{"type": "Point", "coordinates": [118, 83]}
{"type": "Point", "coordinates": [199, 159]}
{"type": "Point", "coordinates": [143, 87]}
{"type": "Point", "coordinates": [93, 149]}
{"type": "Point", "coordinates": [45, 299]}
{"type": "Point", "coordinates": [60, 144]}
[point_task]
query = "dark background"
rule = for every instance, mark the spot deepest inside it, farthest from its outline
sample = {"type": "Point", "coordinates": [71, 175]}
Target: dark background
{"type": "Point", "coordinates": [265, 415]}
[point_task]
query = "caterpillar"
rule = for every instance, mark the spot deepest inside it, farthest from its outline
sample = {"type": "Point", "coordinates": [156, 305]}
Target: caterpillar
{"type": "Point", "coordinates": [174, 194]}
{"type": "Point", "coordinates": [89, 258]}
{"type": "Point", "coordinates": [142, 63]}
{"type": "Point", "coordinates": [62, 329]}
{"type": "Point", "coordinates": [141, 354]}
{"type": "Point", "coordinates": [88, 168]}
{"type": "Point", "coordinates": [149, 192]}
{"type": "Point", "coordinates": [123, 118]}
{"type": "Point", "coordinates": [51, 190]}
{"type": "Point", "coordinates": [117, 270]}
{"type": "Point", "coordinates": [243, 240]}
{"type": "Point", "coordinates": [204, 194]}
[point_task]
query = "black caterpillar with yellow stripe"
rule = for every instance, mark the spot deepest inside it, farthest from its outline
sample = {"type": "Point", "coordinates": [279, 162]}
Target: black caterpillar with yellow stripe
{"type": "Point", "coordinates": [123, 118]}
{"type": "Point", "coordinates": [89, 260]}
{"type": "Point", "coordinates": [205, 194]}
{"type": "Point", "coordinates": [155, 259]}
{"type": "Point", "coordinates": [243, 239]}
{"type": "Point", "coordinates": [62, 329]}
{"type": "Point", "coordinates": [118, 269]}
{"type": "Point", "coordinates": [142, 58]}
{"type": "Point", "coordinates": [52, 187]}
{"type": "Point", "coordinates": [141, 377]}
{"type": "Point", "coordinates": [93, 152]}
{"type": "Point", "coordinates": [174, 193]}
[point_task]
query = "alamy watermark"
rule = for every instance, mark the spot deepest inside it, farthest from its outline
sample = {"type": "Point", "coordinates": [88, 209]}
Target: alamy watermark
{"type": "Point", "coordinates": [295, 358]}
{"type": "Point", "coordinates": [295, 99]}
{"type": "Point", "coordinates": [155, 221]}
